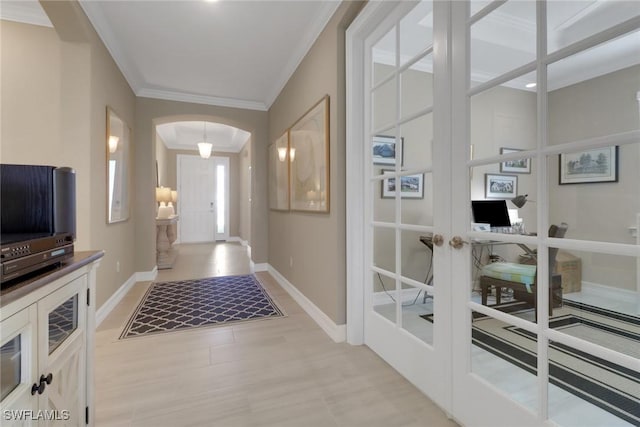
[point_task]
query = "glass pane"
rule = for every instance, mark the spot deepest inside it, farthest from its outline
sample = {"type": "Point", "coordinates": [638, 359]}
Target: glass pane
{"type": "Point", "coordinates": [417, 87]}
{"type": "Point", "coordinates": [384, 105]}
{"type": "Point", "coordinates": [504, 117]}
{"type": "Point", "coordinates": [603, 201]}
{"type": "Point", "coordinates": [505, 356]}
{"type": "Point", "coordinates": [417, 313]}
{"type": "Point", "coordinates": [384, 57]}
{"type": "Point", "coordinates": [384, 296]}
{"type": "Point", "coordinates": [417, 199]}
{"type": "Point", "coordinates": [416, 31]}
{"type": "Point", "coordinates": [417, 256]}
{"type": "Point", "coordinates": [384, 207]}
{"type": "Point", "coordinates": [587, 390]}
{"type": "Point", "coordinates": [10, 366]}
{"type": "Point", "coordinates": [600, 299]}
{"type": "Point", "coordinates": [417, 143]}
{"type": "Point", "coordinates": [572, 21]}
{"type": "Point", "coordinates": [594, 93]}
{"type": "Point", "coordinates": [62, 322]}
{"type": "Point", "coordinates": [220, 198]}
{"type": "Point", "coordinates": [503, 40]}
{"type": "Point", "coordinates": [504, 200]}
{"type": "Point", "coordinates": [384, 248]}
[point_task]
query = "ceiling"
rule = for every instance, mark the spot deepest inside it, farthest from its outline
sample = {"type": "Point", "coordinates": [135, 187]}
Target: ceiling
{"type": "Point", "coordinates": [241, 53]}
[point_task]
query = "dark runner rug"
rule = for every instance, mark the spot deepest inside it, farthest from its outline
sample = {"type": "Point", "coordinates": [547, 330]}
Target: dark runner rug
{"type": "Point", "coordinates": [609, 386]}
{"type": "Point", "coordinates": [187, 304]}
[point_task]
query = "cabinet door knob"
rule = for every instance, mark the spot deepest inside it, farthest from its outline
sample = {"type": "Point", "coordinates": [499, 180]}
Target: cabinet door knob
{"type": "Point", "coordinates": [38, 388]}
{"type": "Point", "coordinates": [46, 379]}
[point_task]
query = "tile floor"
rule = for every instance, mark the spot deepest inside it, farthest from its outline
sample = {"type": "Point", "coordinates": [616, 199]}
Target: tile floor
{"type": "Point", "coordinates": [276, 372]}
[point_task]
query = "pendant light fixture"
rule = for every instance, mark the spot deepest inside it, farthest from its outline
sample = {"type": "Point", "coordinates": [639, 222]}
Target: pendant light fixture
{"type": "Point", "coordinates": [205, 147]}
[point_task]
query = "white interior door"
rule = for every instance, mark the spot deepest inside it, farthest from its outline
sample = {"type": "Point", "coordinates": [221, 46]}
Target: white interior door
{"type": "Point", "coordinates": [540, 98]}
{"type": "Point", "coordinates": [405, 146]}
{"type": "Point", "coordinates": [196, 189]}
{"type": "Point", "coordinates": [543, 94]}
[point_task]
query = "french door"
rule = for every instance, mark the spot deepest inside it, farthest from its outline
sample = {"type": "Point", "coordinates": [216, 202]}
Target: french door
{"type": "Point", "coordinates": [451, 102]}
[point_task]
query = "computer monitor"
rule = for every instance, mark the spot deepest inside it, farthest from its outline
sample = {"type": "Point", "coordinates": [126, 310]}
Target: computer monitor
{"type": "Point", "coordinates": [492, 212]}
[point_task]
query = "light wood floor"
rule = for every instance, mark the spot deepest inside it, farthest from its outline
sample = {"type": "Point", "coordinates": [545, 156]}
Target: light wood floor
{"type": "Point", "coordinates": [277, 372]}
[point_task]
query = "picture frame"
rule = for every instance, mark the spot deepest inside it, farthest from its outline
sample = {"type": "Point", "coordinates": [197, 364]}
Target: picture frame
{"type": "Point", "coordinates": [588, 167]}
{"type": "Point", "coordinates": [384, 150]}
{"type": "Point", "coordinates": [514, 166]}
{"type": "Point", "coordinates": [279, 160]}
{"type": "Point", "coordinates": [412, 186]}
{"type": "Point", "coordinates": [309, 166]}
{"type": "Point", "coordinates": [497, 186]}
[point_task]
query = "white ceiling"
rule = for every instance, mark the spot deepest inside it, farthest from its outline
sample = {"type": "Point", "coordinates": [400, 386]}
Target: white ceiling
{"type": "Point", "coordinates": [241, 53]}
{"type": "Point", "coordinates": [186, 135]}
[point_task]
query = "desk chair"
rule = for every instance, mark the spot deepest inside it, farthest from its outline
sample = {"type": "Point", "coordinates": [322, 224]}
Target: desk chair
{"type": "Point", "coordinates": [523, 278]}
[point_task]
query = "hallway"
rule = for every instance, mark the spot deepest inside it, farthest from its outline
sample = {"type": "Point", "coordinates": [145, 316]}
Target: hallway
{"type": "Point", "coordinates": [277, 372]}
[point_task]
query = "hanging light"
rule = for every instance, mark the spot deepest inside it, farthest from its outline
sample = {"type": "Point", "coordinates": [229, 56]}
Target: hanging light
{"type": "Point", "coordinates": [205, 147]}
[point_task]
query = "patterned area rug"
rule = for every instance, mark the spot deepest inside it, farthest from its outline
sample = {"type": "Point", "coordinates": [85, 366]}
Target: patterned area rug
{"type": "Point", "coordinates": [186, 304]}
{"type": "Point", "coordinates": [602, 383]}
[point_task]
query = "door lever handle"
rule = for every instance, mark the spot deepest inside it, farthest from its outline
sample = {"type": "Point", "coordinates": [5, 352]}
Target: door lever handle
{"type": "Point", "coordinates": [457, 242]}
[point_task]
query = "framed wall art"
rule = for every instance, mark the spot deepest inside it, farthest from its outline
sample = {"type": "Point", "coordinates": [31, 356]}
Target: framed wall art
{"type": "Point", "coordinates": [591, 166]}
{"type": "Point", "coordinates": [500, 186]}
{"type": "Point", "coordinates": [384, 150]}
{"type": "Point", "coordinates": [309, 176]}
{"type": "Point", "coordinates": [411, 186]}
{"type": "Point", "coordinates": [514, 166]}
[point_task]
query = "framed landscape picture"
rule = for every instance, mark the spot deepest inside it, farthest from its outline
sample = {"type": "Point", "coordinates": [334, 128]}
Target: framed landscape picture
{"type": "Point", "coordinates": [411, 186]}
{"type": "Point", "coordinates": [385, 149]}
{"type": "Point", "coordinates": [585, 167]}
{"type": "Point", "coordinates": [514, 166]}
{"type": "Point", "coordinates": [500, 186]}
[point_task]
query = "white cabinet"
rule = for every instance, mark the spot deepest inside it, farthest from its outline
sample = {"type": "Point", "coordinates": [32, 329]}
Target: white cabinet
{"type": "Point", "coordinates": [47, 339]}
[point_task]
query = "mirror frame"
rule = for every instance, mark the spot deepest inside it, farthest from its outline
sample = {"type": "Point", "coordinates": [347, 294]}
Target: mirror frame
{"type": "Point", "coordinates": [118, 128]}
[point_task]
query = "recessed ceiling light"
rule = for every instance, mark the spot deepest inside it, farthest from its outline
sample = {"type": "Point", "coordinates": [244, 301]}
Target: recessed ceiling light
{"type": "Point", "coordinates": [530, 85]}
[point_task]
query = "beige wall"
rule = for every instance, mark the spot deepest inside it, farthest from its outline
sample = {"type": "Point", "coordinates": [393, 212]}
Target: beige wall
{"type": "Point", "coordinates": [153, 112]}
{"type": "Point", "coordinates": [315, 243]}
{"type": "Point", "coordinates": [56, 84]}
{"type": "Point", "coordinates": [244, 178]}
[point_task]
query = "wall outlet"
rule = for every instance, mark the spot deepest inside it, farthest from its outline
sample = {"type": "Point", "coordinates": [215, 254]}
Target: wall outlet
{"type": "Point", "coordinates": [291, 261]}
{"type": "Point", "coordinates": [117, 266]}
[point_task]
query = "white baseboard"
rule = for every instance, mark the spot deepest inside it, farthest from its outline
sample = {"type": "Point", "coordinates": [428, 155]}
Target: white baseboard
{"type": "Point", "coordinates": [262, 266]}
{"type": "Point", "coordinates": [337, 333]}
{"type": "Point", "coordinates": [110, 304]}
{"type": "Point", "coordinates": [234, 239]}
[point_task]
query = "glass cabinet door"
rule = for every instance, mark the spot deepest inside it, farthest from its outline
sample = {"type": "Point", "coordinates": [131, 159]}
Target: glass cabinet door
{"type": "Point", "coordinates": [18, 367]}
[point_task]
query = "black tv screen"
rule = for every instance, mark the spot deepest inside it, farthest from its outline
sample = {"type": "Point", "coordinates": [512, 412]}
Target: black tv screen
{"type": "Point", "coordinates": [492, 212]}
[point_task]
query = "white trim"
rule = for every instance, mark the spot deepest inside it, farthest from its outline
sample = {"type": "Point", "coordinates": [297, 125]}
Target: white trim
{"type": "Point", "coordinates": [314, 30]}
{"type": "Point", "coordinates": [234, 239]}
{"type": "Point", "coordinates": [263, 266]}
{"type": "Point", "coordinates": [116, 297]}
{"type": "Point", "coordinates": [337, 333]}
{"type": "Point", "coordinates": [25, 13]}
{"type": "Point", "coordinates": [171, 95]}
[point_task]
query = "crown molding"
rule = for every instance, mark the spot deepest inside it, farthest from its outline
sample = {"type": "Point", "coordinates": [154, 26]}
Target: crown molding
{"type": "Point", "coordinates": [329, 7]}
{"type": "Point", "coordinates": [200, 99]}
{"type": "Point", "coordinates": [25, 13]}
{"type": "Point", "coordinates": [94, 12]}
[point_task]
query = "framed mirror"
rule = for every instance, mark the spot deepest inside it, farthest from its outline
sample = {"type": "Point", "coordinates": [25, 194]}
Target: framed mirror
{"type": "Point", "coordinates": [118, 142]}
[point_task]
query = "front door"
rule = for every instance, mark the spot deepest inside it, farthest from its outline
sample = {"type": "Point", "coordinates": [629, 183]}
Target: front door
{"type": "Point", "coordinates": [196, 189]}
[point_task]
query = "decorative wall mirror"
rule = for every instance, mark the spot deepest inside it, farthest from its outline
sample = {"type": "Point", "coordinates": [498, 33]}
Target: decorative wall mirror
{"type": "Point", "coordinates": [118, 137]}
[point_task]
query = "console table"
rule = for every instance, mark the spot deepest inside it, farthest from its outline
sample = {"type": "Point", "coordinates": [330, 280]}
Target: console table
{"type": "Point", "coordinates": [165, 236]}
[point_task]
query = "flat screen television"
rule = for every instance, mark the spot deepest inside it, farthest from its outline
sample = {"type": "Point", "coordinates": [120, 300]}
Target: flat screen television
{"type": "Point", "coordinates": [493, 212]}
